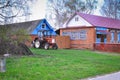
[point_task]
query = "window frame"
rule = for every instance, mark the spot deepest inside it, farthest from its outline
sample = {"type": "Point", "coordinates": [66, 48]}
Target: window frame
{"type": "Point", "coordinates": [118, 37]}
{"type": "Point", "coordinates": [112, 37]}
{"type": "Point", "coordinates": [76, 18]}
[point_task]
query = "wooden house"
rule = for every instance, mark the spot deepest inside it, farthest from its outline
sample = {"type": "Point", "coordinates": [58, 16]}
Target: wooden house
{"type": "Point", "coordinates": [86, 30]}
{"type": "Point", "coordinates": [32, 27]}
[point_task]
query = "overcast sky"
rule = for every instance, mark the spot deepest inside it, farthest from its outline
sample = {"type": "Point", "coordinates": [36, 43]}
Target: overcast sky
{"type": "Point", "coordinates": [39, 7]}
{"type": "Point", "coordinates": [38, 10]}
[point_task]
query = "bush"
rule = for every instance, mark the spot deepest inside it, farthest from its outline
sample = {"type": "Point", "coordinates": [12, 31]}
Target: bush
{"type": "Point", "coordinates": [13, 42]}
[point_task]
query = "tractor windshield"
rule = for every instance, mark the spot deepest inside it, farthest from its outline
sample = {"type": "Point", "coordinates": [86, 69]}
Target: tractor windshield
{"type": "Point", "coordinates": [40, 34]}
{"type": "Point", "coordinates": [44, 33]}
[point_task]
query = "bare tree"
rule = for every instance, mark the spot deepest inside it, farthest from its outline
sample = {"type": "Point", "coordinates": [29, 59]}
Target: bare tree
{"type": "Point", "coordinates": [56, 11]}
{"type": "Point", "coordinates": [86, 6]}
{"type": "Point", "coordinates": [60, 10]}
{"type": "Point", "coordinates": [9, 9]}
{"type": "Point", "coordinates": [111, 8]}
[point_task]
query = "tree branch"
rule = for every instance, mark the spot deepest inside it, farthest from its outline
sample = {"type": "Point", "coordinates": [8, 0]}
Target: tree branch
{"type": "Point", "coordinates": [6, 5]}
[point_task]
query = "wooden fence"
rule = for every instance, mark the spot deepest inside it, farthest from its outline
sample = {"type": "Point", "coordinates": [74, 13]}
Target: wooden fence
{"type": "Point", "coordinates": [63, 41]}
{"type": "Point", "coordinates": [107, 47]}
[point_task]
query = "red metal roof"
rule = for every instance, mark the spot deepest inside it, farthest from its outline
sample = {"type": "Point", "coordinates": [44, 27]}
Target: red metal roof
{"type": "Point", "coordinates": [101, 21]}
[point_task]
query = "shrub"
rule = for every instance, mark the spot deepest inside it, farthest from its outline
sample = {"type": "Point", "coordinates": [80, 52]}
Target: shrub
{"type": "Point", "coordinates": [13, 42]}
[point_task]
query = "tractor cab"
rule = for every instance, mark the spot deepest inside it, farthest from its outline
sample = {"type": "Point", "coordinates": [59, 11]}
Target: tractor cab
{"type": "Point", "coordinates": [42, 34]}
{"type": "Point", "coordinates": [44, 40]}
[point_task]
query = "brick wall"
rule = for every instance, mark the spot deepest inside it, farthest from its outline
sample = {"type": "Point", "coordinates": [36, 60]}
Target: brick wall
{"type": "Point", "coordinates": [87, 43]}
{"type": "Point", "coordinates": [33, 37]}
{"type": "Point", "coordinates": [107, 47]}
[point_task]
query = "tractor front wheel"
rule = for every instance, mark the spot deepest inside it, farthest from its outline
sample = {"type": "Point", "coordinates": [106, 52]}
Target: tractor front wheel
{"type": "Point", "coordinates": [37, 44]}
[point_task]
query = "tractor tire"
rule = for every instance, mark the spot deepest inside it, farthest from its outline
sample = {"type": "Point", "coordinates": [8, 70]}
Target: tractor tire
{"type": "Point", "coordinates": [32, 44]}
{"type": "Point", "coordinates": [37, 44]}
{"type": "Point", "coordinates": [55, 46]}
{"type": "Point", "coordinates": [46, 46]}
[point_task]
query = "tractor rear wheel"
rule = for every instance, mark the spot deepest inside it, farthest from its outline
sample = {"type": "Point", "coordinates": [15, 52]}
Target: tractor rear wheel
{"type": "Point", "coordinates": [37, 44]}
{"type": "Point", "coordinates": [46, 46]}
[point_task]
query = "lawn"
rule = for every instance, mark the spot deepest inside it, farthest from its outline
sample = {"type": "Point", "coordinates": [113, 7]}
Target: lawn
{"type": "Point", "coordinates": [60, 65]}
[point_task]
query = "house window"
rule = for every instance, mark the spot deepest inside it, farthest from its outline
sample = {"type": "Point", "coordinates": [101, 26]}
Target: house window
{"type": "Point", "coordinates": [118, 37]}
{"type": "Point", "coordinates": [76, 35]}
{"type": "Point", "coordinates": [76, 18]}
{"type": "Point", "coordinates": [83, 34]}
{"type": "Point", "coordinates": [112, 37]}
{"type": "Point", "coordinates": [43, 25]}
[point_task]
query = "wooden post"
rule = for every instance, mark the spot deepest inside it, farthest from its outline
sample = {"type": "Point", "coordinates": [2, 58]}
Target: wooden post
{"type": "Point", "coordinates": [2, 64]}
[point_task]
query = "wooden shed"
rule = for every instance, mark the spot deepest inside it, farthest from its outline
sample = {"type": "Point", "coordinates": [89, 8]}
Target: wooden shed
{"type": "Point", "coordinates": [87, 30]}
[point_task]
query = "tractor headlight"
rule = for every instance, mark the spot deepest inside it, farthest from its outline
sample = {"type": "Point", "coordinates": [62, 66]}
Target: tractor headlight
{"type": "Point", "coordinates": [53, 40]}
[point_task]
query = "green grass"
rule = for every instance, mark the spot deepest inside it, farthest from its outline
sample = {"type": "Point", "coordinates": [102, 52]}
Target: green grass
{"type": "Point", "coordinates": [60, 65]}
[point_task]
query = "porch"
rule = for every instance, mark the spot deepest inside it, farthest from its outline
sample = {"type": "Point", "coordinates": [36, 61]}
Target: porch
{"type": "Point", "coordinates": [107, 40]}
